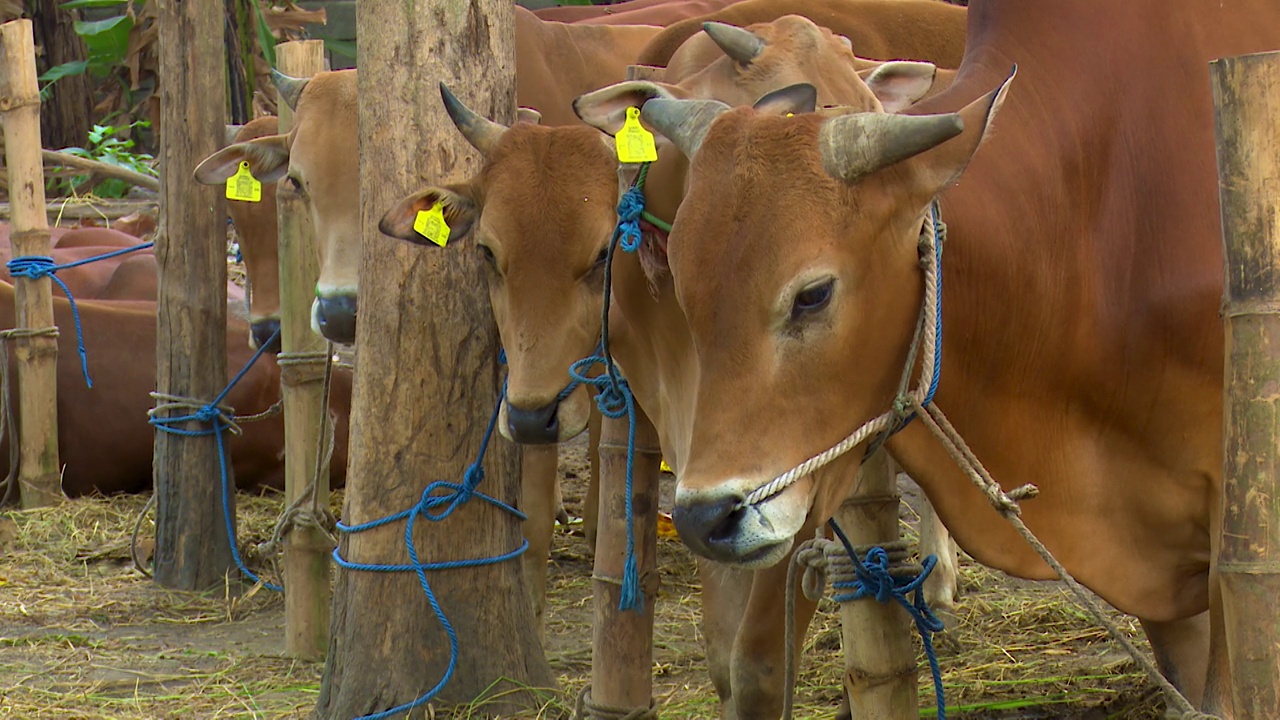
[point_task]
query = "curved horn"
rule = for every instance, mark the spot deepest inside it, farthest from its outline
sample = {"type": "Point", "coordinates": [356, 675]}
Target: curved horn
{"type": "Point", "coordinates": [741, 45]}
{"type": "Point", "coordinates": [232, 132]}
{"type": "Point", "coordinates": [290, 88]}
{"type": "Point", "coordinates": [481, 132]}
{"type": "Point", "coordinates": [683, 122]}
{"type": "Point", "coordinates": [855, 145]}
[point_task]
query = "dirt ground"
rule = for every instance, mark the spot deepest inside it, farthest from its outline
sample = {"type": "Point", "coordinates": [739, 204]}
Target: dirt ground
{"type": "Point", "coordinates": [84, 635]}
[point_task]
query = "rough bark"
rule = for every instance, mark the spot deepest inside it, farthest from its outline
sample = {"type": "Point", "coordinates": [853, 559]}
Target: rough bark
{"type": "Point", "coordinates": [64, 119]}
{"type": "Point", "coordinates": [191, 355]}
{"type": "Point", "coordinates": [1246, 93]}
{"type": "Point", "coordinates": [426, 383]}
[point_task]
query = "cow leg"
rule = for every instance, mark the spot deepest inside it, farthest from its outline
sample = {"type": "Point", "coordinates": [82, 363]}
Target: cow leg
{"type": "Point", "coordinates": [591, 506]}
{"type": "Point", "coordinates": [1182, 648]}
{"type": "Point", "coordinates": [758, 663]}
{"type": "Point", "coordinates": [725, 591]}
{"type": "Point", "coordinates": [941, 587]}
{"type": "Point", "coordinates": [538, 490]}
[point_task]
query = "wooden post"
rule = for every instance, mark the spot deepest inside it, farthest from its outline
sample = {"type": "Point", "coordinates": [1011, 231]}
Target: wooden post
{"type": "Point", "coordinates": [38, 475]}
{"type": "Point", "coordinates": [622, 642]}
{"type": "Point", "coordinates": [880, 660]}
{"type": "Point", "coordinates": [427, 381]}
{"type": "Point", "coordinates": [191, 333]}
{"type": "Point", "coordinates": [1246, 97]}
{"type": "Point", "coordinates": [306, 549]}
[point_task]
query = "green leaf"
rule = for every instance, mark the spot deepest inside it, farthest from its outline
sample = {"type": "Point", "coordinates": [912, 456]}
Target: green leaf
{"type": "Point", "coordinates": [107, 40]}
{"type": "Point", "coordinates": [57, 72]}
{"type": "Point", "coordinates": [265, 38]}
{"type": "Point", "coordinates": [345, 48]}
{"type": "Point", "coordinates": [74, 4]}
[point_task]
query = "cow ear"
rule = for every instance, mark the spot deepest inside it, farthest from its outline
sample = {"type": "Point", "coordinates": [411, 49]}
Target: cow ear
{"type": "Point", "coordinates": [900, 84]}
{"type": "Point", "coordinates": [268, 160]}
{"type": "Point", "coordinates": [606, 108]}
{"type": "Point", "coordinates": [798, 98]}
{"type": "Point", "coordinates": [935, 169]}
{"type": "Point", "coordinates": [528, 115]}
{"type": "Point", "coordinates": [456, 201]}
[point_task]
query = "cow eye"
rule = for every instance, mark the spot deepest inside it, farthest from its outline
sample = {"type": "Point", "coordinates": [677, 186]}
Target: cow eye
{"type": "Point", "coordinates": [602, 257]}
{"type": "Point", "coordinates": [812, 299]}
{"type": "Point", "coordinates": [295, 183]}
{"type": "Point", "coordinates": [487, 254]}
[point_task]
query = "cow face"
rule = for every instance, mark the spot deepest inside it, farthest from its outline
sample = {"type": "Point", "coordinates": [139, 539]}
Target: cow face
{"type": "Point", "coordinates": [256, 230]}
{"type": "Point", "coordinates": [318, 162]}
{"type": "Point", "coordinates": [794, 259]}
{"type": "Point", "coordinates": [540, 214]}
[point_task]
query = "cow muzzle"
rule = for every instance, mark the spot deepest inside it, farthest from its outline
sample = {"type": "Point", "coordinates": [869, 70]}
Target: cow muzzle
{"type": "Point", "coordinates": [263, 332]}
{"type": "Point", "coordinates": [717, 526]}
{"type": "Point", "coordinates": [334, 317]}
{"type": "Point", "coordinates": [539, 426]}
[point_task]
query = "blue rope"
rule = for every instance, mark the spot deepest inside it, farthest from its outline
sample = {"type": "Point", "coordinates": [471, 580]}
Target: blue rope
{"type": "Point", "coordinates": [438, 502]}
{"type": "Point", "coordinates": [218, 421]}
{"type": "Point", "coordinates": [873, 580]}
{"type": "Point", "coordinates": [34, 267]}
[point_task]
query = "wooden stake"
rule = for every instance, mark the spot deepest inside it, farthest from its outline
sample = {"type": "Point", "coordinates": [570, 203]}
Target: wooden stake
{"type": "Point", "coordinates": [879, 657]}
{"type": "Point", "coordinates": [622, 643]}
{"type": "Point", "coordinates": [427, 381]}
{"type": "Point", "coordinates": [192, 552]}
{"type": "Point", "coordinates": [306, 548]}
{"type": "Point", "coordinates": [38, 475]}
{"type": "Point", "coordinates": [1246, 94]}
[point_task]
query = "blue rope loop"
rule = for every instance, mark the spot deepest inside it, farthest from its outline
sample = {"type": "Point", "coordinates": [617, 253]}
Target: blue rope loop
{"type": "Point", "coordinates": [874, 581]}
{"type": "Point", "coordinates": [219, 421]}
{"type": "Point", "coordinates": [34, 267]}
{"type": "Point", "coordinates": [438, 501]}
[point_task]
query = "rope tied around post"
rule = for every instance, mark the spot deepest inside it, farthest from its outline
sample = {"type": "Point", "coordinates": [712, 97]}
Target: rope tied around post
{"type": "Point", "coordinates": [8, 427]}
{"type": "Point", "coordinates": [35, 267]}
{"type": "Point", "coordinates": [588, 709]}
{"type": "Point", "coordinates": [219, 418]}
{"type": "Point", "coordinates": [438, 501]}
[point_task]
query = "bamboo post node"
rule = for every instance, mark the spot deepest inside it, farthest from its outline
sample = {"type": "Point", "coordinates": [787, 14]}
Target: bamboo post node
{"type": "Point", "coordinates": [36, 349]}
{"type": "Point", "coordinates": [306, 546]}
{"type": "Point", "coordinates": [1246, 95]}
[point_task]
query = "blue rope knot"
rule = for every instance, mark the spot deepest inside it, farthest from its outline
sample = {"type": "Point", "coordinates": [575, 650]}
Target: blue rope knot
{"type": "Point", "coordinates": [34, 267]}
{"type": "Point", "coordinates": [208, 413]}
{"type": "Point", "coordinates": [630, 210]}
{"type": "Point", "coordinates": [875, 580]}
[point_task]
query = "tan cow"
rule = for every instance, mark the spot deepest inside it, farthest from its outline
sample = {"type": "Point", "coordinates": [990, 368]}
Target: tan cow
{"type": "Point", "coordinates": [1082, 345]}
{"type": "Point", "coordinates": [541, 212]}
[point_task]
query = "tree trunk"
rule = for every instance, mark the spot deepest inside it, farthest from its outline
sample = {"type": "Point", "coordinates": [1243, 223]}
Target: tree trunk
{"type": "Point", "coordinates": [191, 334]}
{"type": "Point", "coordinates": [64, 117]}
{"type": "Point", "coordinates": [426, 384]}
{"type": "Point", "coordinates": [1246, 93]}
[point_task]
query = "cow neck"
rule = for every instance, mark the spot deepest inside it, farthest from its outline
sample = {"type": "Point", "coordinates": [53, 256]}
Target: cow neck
{"type": "Point", "coordinates": [927, 344]}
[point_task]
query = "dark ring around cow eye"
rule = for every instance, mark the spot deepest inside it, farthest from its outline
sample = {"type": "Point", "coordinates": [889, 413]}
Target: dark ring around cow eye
{"type": "Point", "coordinates": [487, 254]}
{"type": "Point", "coordinates": [812, 299]}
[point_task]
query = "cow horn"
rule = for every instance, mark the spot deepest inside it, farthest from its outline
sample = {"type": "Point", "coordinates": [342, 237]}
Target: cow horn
{"type": "Point", "coordinates": [481, 132]}
{"type": "Point", "coordinates": [232, 132]}
{"type": "Point", "coordinates": [683, 122]}
{"type": "Point", "coordinates": [740, 44]}
{"type": "Point", "coordinates": [290, 88]}
{"type": "Point", "coordinates": [855, 145]}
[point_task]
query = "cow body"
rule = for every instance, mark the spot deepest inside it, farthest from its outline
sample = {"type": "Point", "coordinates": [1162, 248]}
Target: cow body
{"type": "Point", "coordinates": [1092, 206]}
{"type": "Point", "coordinates": [634, 12]}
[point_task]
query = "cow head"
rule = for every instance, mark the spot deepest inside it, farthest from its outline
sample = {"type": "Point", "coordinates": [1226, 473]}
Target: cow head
{"type": "Point", "coordinates": [794, 258]}
{"type": "Point", "coordinates": [318, 161]}
{"type": "Point", "coordinates": [256, 229]}
{"type": "Point", "coordinates": [540, 213]}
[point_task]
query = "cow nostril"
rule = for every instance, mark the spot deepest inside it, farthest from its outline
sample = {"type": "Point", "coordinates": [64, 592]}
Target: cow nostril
{"type": "Point", "coordinates": [712, 523]}
{"type": "Point", "coordinates": [726, 530]}
{"type": "Point", "coordinates": [335, 315]}
{"type": "Point", "coordinates": [264, 331]}
{"type": "Point", "coordinates": [539, 426]}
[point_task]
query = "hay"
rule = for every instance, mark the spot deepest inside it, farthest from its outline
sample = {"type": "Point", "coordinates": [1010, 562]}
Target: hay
{"type": "Point", "coordinates": [83, 635]}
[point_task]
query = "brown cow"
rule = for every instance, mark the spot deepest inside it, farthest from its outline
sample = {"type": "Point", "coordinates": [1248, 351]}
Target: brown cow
{"type": "Point", "coordinates": [542, 210]}
{"type": "Point", "coordinates": [635, 12]}
{"type": "Point", "coordinates": [1082, 346]}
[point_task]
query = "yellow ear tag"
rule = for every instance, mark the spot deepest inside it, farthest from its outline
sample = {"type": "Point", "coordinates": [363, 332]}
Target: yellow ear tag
{"type": "Point", "coordinates": [244, 186]}
{"type": "Point", "coordinates": [430, 224]}
{"type": "Point", "coordinates": [664, 467]}
{"type": "Point", "coordinates": [634, 143]}
{"type": "Point", "coordinates": [791, 114]}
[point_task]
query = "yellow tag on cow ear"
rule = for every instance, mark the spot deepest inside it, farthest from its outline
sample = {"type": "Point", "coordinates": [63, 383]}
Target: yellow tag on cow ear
{"type": "Point", "coordinates": [244, 186]}
{"type": "Point", "coordinates": [431, 225]}
{"type": "Point", "coordinates": [664, 467]}
{"type": "Point", "coordinates": [634, 143]}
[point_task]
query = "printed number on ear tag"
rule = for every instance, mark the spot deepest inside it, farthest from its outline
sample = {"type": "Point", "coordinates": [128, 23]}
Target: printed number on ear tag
{"type": "Point", "coordinates": [431, 225]}
{"type": "Point", "coordinates": [244, 186]}
{"type": "Point", "coordinates": [634, 143]}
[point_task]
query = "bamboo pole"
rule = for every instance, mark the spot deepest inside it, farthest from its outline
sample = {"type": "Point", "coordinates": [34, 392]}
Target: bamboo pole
{"type": "Point", "coordinates": [192, 551]}
{"type": "Point", "coordinates": [37, 355]}
{"type": "Point", "coordinates": [880, 661]}
{"type": "Point", "coordinates": [622, 641]}
{"type": "Point", "coordinates": [306, 548]}
{"type": "Point", "coordinates": [1246, 94]}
